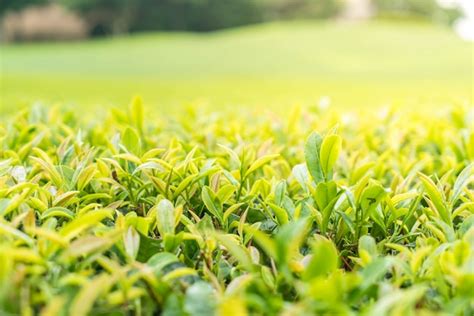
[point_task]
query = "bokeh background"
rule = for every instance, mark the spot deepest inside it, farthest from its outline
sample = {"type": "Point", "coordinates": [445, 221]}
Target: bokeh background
{"type": "Point", "coordinates": [229, 53]}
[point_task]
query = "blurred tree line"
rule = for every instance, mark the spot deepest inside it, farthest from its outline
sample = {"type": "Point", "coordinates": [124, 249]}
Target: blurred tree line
{"type": "Point", "coordinates": [119, 16]}
{"type": "Point", "coordinates": [116, 16]}
{"type": "Point", "coordinates": [416, 8]}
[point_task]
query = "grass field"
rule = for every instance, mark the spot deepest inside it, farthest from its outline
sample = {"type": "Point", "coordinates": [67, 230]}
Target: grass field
{"type": "Point", "coordinates": [268, 65]}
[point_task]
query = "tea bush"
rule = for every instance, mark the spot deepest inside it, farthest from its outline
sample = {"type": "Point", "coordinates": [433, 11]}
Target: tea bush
{"type": "Point", "coordinates": [315, 212]}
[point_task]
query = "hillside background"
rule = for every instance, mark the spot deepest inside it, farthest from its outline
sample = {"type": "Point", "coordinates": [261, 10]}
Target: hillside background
{"type": "Point", "coordinates": [72, 19]}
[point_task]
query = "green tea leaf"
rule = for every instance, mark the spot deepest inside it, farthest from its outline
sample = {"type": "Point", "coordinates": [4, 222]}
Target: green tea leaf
{"type": "Point", "coordinates": [329, 153]}
{"type": "Point", "coordinates": [324, 259]}
{"type": "Point", "coordinates": [200, 300]}
{"type": "Point", "coordinates": [137, 113]}
{"type": "Point", "coordinates": [165, 217]}
{"type": "Point", "coordinates": [131, 241]}
{"type": "Point", "coordinates": [80, 224]}
{"type": "Point", "coordinates": [259, 163]}
{"type": "Point", "coordinates": [367, 248]}
{"type": "Point", "coordinates": [461, 181]}
{"type": "Point", "coordinates": [371, 197]}
{"type": "Point", "coordinates": [89, 293]}
{"type": "Point", "coordinates": [131, 141]}
{"type": "Point", "coordinates": [311, 153]}
{"type": "Point", "coordinates": [57, 212]}
{"type": "Point", "coordinates": [212, 203]}
{"type": "Point", "coordinates": [234, 248]}
{"type": "Point", "coordinates": [160, 261]}
{"type": "Point", "coordinates": [148, 248]}
{"type": "Point", "coordinates": [435, 197]}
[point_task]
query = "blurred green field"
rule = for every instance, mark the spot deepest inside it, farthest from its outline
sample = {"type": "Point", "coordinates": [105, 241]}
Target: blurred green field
{"type": "Point", "coordinates": [272, 65]}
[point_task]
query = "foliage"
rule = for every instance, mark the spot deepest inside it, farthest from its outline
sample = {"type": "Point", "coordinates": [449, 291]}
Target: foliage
{"type": "Point", "coordinates": [418, 8]}
{"type": "Point", "coordinates": [118, 16]}
{"type": "Point", "coordinates": [291, 9]}
{"type": "Point", "coordinates": [122, 16]}
{"type": "Point", "coordinates": [6, 6]}
{"type": "Point", "coordinates": [235, 214]}
{"type": "Point", "coordinates": [195, 15]}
